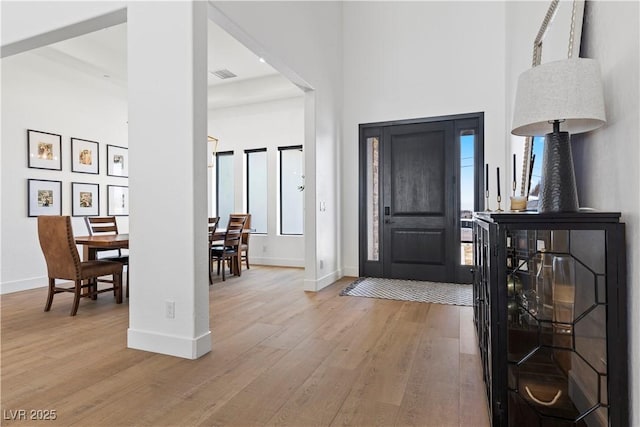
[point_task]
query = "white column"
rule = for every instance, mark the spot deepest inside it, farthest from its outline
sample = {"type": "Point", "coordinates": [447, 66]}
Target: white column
{"type": "Point", "coordinates": [167, 86]}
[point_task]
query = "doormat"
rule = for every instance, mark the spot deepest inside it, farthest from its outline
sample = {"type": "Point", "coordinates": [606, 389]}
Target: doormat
{"type": "Point", "coordinates": [411, 290]}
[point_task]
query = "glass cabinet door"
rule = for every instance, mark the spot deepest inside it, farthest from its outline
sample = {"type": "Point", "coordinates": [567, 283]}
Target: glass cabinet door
{"type": "Point", "coordinates": [556, 328]}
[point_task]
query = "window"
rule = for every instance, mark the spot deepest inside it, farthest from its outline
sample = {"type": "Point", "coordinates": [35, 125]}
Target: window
{"type": "Point", "coordinates": [373, 199]}
{"type": "Point", "coordinates": [257, 188]}
{"type": "Point", "coordinates": [224, 187]}
{"type": "Point", "coordinates": [291, 190]}
{"type": "Point", "coordinates": [467, 138]}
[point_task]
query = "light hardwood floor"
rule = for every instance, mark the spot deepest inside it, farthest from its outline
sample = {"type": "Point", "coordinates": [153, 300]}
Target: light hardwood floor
{"type": "Point", "coordinates": [280, 357]}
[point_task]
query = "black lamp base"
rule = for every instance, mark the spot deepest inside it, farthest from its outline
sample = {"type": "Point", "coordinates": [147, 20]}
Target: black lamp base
{"type": "Point", "coordinates": [558, 192]}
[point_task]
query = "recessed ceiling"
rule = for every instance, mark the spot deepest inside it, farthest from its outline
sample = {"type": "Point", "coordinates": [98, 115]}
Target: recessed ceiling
{"type": "Point", "coordinates": [103, 54]}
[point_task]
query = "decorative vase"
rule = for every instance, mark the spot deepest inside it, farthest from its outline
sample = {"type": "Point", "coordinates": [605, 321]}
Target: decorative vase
{"type": "Point", "coordinates": [564, 290]}
{"type": "Point", "coordinates": [544, 286]}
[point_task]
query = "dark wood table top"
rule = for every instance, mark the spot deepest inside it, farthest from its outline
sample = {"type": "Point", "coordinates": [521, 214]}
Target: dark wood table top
{"type": "Point", "coordinates": [104, 241]}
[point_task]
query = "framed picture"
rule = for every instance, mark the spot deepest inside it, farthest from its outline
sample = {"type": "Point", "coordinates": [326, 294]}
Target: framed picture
{"type": "Point", "coordinates": [117, 200]}
{"type": "Point", "coordinates": [44, 150]}
{"type": "Point", "coordinates": [44, 197]}
{"type": "Point", "coordinates": [85, 199]}
{"type": "Point", "coordinates": [117, 161]}
{"type": "Point", "coordinates": [84, 156]}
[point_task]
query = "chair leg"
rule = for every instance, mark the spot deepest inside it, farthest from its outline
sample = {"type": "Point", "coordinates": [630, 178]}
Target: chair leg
{"type": "Point", "coordinates": [90, 291]}
{"type": "Point", "coordinates": [223, 267]}
{"type": "Point", "coordinates": [115, 292]}
{"type": "Point", "coordinates": [238, 261]}
{"type": "Point", "coordinates": [93, 288]}
{"type": "Point", "coordinates": [76, 297]}
{"type": "Point", "coordinates": [117, 287]}
{"type": "Point", "coordinates": [246, 257]}
{"type": "Point", "coordinates": [210, 271]}
{"type": "Point", "coordinates": [52, 285]}
{"type": "Point", "coordinates": [127, 280]}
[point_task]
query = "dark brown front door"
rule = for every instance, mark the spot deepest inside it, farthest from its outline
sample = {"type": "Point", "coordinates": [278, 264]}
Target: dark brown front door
{"type": "Point", "coordinates": [417, 198]}
{"type": "Point", "coordinates": [410, 199]}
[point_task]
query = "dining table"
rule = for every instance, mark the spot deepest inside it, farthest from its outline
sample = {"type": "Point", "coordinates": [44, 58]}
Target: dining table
{"type": "Point", "coordinates": [93, 244]}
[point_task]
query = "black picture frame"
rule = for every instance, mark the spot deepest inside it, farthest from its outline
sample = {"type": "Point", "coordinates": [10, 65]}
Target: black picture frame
{"type": "Point", "coordinates": [44, 150]}
{"type": "Point", "coordinates": [117, 161]}
{"type": "Point", "coordinates": [85, 156]}
{"type": "Point", "coordinates": [85, 199]}
{"type": "Point", "coordinates": [117, 200]}
{"type": "Point", "coordinates": [44, 197]}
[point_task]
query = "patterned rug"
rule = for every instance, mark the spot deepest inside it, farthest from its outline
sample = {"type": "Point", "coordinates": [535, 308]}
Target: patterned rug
{"type": "Point", "coordinates": [411, 290]}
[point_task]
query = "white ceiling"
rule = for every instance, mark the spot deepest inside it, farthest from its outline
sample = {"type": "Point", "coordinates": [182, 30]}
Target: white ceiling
{"type": "Point", "coordinates": [103, 54]}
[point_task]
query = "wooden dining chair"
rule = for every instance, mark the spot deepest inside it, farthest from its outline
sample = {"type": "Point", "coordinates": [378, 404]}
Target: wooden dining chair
{"type": "Point", "coordinates": [244, 246]}
{"type": "Point", "coordinates": [213, 226]}
{"type": "Point", "coordinates": [98, 225]}
{"type": "Point", "coordinates": [230, 249]}
{"type": "Point", "coordinates": [63, 262]}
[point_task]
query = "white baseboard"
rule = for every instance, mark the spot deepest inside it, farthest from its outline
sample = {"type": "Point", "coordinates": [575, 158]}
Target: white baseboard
{"type": "Point", "coordinates": [23, 285]}
{"type": "Point", "coordinates": [277, 262]}
{"type": "Point", "coordinates": [323, 282]}
{"type": "Point", "coordinates": [188, 348]}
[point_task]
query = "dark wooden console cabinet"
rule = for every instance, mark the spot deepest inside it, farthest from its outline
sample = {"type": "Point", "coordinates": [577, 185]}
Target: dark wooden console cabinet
{"type": "Point", "coordinates": [550, 313]}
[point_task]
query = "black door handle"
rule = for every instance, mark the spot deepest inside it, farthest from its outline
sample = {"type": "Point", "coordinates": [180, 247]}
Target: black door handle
{"type": "Point", "coordinates": [387, 211]}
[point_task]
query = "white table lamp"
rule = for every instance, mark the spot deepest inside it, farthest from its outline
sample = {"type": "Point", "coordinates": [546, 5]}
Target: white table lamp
{"type": "Point", "coordinates": [565, 95]}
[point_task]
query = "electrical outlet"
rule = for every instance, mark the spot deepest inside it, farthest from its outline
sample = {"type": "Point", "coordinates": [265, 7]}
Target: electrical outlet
{"type": "Point", "coordinates": [264, 248]}
{"type": "Point", "coordinates": [321, 264]}
{"type": "Point", "coordinates": [170, 309]}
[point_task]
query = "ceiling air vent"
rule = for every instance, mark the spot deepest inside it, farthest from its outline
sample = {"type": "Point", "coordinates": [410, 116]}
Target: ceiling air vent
{"type": "Point", "coordinates": [223, 74]}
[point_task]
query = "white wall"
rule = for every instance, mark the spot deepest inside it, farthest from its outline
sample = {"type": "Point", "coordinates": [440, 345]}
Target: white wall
{"type": "Point", "coordinates": [307, 37]}
{"type": "Point", "coordinates": [418, 59]}
{"type": "Point", "coordinates": [606, 160]}
{"type": "Point", "coordinates": [43, 95]}
{"type": "Point", "coordinates": [263, 125]}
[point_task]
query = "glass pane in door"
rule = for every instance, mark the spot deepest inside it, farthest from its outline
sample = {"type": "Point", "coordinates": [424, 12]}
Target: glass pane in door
{"type": "Point", "coordinates": [373, 199]}
{"type": "Point", "coordinates": [467, 195]}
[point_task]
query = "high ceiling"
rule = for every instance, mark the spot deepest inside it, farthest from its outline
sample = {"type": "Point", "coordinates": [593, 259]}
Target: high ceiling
{"type": "Point", "coordinates": [103, 54]}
